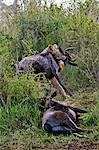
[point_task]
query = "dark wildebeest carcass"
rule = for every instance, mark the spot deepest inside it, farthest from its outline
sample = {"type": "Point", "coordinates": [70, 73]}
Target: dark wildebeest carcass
{"type": "Point", "coordinates": [59, 118]}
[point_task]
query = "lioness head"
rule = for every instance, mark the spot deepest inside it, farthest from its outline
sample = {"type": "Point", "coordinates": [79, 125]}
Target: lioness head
{"type": "Point", "coordinates": [56, 51]}
{"type": "Point", "coordinates": [58, 55]}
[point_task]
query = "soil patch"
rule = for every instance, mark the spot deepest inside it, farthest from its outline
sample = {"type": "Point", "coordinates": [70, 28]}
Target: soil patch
{"type": "Point", "coordinates": [84, 146]}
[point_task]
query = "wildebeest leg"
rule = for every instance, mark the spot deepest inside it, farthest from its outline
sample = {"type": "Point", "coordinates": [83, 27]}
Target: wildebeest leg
{"type": "Point", "coordinates": [57, 85]}
{"type": "Point", "coordinates": [66, 121]}
{"type": "Point", "coordinates": [62, 130]}
{"type": "Point", "coordinates": [70, 124]}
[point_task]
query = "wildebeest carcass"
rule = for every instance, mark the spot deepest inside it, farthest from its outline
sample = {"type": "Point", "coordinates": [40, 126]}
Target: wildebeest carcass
{"type": "Point", "coordinates": [50, 61]}
{"type": "Point", "coordinates": [59, 118]}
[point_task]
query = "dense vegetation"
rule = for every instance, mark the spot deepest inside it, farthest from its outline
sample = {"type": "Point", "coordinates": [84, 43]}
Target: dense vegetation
{"type": "Point", "coordinates": [28, 32]}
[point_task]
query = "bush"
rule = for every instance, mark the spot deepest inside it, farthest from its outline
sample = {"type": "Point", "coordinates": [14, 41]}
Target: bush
{"type": "Point", "coordinates": [22, 88]}
{"type": "Point", "coordinates": [38, 27]}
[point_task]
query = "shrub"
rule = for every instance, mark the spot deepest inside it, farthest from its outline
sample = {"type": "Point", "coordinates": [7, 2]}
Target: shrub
{"type": "Point", "coordinates": [37, 27]}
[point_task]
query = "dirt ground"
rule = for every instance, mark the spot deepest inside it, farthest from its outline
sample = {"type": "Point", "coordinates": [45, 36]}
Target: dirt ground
{"type": "Point", "coordinates": [75, 146]}
{"type": "Point", "coordinates": [84, 146]}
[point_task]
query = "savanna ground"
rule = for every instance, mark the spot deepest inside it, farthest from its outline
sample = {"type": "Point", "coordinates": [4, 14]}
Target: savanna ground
{"type": "Point", "coordinates": [28, 31]}
{"type": "Point", "coordinates": [29, 135]}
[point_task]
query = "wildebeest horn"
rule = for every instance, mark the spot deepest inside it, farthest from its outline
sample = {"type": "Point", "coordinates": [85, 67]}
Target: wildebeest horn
{"type": "Point", "coordinates": [72, 63]}
{"type": "Point", "coordinates": [69, 48]}
{"type": "Point", "coordinates": [73, 60]}
{"type": "Point", "coordinates": [69, 59]}
{"type": "Point", "coordinates": [77, 110]}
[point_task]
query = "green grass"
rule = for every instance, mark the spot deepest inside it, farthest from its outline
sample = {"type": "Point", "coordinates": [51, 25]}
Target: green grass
{"type": "Point", "coordinates": [20, 125]}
